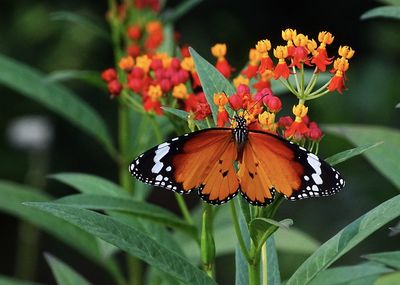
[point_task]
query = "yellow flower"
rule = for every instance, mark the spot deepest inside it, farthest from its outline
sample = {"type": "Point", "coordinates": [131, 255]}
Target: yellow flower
{"type": "Point", "coordinates": [325, 38]}
{"type": "Point", "coordinates": [154, 92]}
{"type": "Point", "coordinates": [289, 34]}
{"type": "Point", "coordinates": [346, 52]}
{"type": "Point", "coordinates": [263, 46]}
{"type": "Point", "coordinates": [240, 79]}
{"type": "Point", "coordinates": [188, 64]}
{"type": "Point", "coordinates": [143, 62]}
{"type": "Point", "coordinates": [126, 63]}
{"type": "Point", "coordinates": [180, 91]}
{"type": "Point", "coordinates": [299, 111]}
{"type": "Point", "coordinates": [219, 51]}
{"type": "Point", "coordinates": [281, 52]}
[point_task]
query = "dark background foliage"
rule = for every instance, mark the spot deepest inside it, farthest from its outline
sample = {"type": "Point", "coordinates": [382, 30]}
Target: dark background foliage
{"type": "Point", "coordinates": [28, 34]}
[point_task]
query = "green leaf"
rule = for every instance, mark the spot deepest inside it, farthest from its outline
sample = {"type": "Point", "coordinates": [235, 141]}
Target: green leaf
{"type": "Point", "coordinates": [63, 273]}
{"type": "Point", "coordinates": [177, 12]}
{"type": "Point", "coordinates": [13, 195]}
{"type": "Point", "coordinates": [90, 77]}
{"type": "Point", "coordinates": [131, 206]}
{"type": "Point", "coordinates": [389, 279]}
{"type": "Point", "coordinates": [262, 227]}
{"type": "Point", "coordinates": [212, 81]}
{"type": "Point", "coordinates": [274, 276]}
{"type": "Point", "coordinates": [391, 258]}
{"type": "Point", "coordinates": [391, 2]}
{"type": "Point", "coordinates": [398, 105]}
{"type": "Point", "coordinates": [90, 184]}
{"type": "Point", "coordinates": [241, 265]}
{"type": "Point", "coordinates": [82, 21]}
{"type": "Point", "coordinates": [30, 83]}
{"type": "Point", "coordinates": [386, 157]}
{"type": "Point", "coordinates": [5, 280]}
{"type": "Point", "coordinates": [385, 12]}
{"type": "Point", "coordinates": [346, 274]}
{"type": "Point", "coordinates": [347, 154]}
{"type": "Point", "coordinates": [345, 240]}
{"type": "Point", "coordinates": [130, 240]}
{"type": "Point", "coordinates": [289, 240]}
{"type": "Point", "coordinates": [184, 116]}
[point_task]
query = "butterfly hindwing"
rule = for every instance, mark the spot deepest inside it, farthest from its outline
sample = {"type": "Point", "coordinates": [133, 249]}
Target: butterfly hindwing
{"type": "Point", "coordinates": [188, 162]}
{"type": "Point", "coordinates": [292, 170]}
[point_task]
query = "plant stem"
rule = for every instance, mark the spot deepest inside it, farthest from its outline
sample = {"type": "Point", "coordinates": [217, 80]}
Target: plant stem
{"type": "Point", "coordinates": [264, 262]}
{"type": "Point", "coordinates": [239, 235]}
{"type": "Point", "coordinates": [254, 266]}
{"type": "Point", "coordinates": [184, 209]}
{"type": "Point", "coordinates": [207, 244]}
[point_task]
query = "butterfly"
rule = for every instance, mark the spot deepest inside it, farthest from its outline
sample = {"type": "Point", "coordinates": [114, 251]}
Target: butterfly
{"type": "Point", "coordinates": [205, 160]}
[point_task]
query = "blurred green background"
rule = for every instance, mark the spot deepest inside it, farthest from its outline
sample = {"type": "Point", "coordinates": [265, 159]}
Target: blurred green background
{"type": "Point", "coordinates": [30, 34]}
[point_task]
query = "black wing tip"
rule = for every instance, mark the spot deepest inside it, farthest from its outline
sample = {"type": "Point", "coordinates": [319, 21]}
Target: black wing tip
{"type": "Point", "coordinates": [258, 203]}
{"type": "Point", "coordinates": [206, 197]}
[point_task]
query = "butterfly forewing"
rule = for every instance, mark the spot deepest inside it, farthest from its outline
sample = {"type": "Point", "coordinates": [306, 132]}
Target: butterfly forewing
{"type": "Point", "coordinates": [293, 171]}
{"type": "Point", "coordinates": [193, 161]}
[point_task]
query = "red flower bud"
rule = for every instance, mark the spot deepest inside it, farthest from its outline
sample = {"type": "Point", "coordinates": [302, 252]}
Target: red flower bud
{"type": "Point", "coordinates": [184, 75]}
{"type": "Point", "coordinates": [305, 119]}
{"type": "Point", "coordinates": [135, 84]}
{"type": "Point", "coordinates": [314, 132]}
{"type": "Point", "coordinates": [137, 72]}
{"type": "Point", "coordinates": [266, 91]}
{"type": "Point", "coordinates": [175, 63]}
{"type": "Point", "coordinates": [109, 74]}
{"type": "Point", "coordinates": [223, 118]}
{"type": "Point", "coordinates": [242, 89]}
{"type": "Point", "coordinates": [133, 50]}
{"type": "Point", "coordinates": [235, 101]}
{"type": "Point", "coordinates": [185, 51]}
{"type": "Point", "coordinates": [114, 87]}
{"type": "Point", "coordinates": [169, 72]}
{"type": "Point", "coordinates": [285, 122]}
{"type": "Point", "coordinates": [165, 85]}
{"type": "Point", "coordinates": [160, 74]}
{"type": "Point", "coordinates": [156, 64]}
{"type": "Point", "coordinates": [224, 67]}
{"type": "Point", "coordinates": [134, 32]}
{"type": "Point", "coordinates": [273, 103]}
{"type": "Point", "coordinates": [176, 79]}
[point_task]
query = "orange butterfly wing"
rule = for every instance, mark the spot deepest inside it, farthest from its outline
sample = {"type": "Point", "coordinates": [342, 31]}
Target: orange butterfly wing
{"type": "Point", "coordinates": [206, 162]}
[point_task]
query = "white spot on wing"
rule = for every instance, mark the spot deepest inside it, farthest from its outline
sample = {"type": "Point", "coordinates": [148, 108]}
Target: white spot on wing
{"type": "Point", "coordinates": [160, 153]}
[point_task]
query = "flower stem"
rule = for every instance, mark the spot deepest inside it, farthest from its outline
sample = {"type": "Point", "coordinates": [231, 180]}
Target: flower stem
{"type": "Point", "coordinates": [254, 266]}
{"type": "Point", "coordinates": [184, 209]}
{"type": "Point", "coordinates": [239, 235]}
{"type": "Point", "coordinates": [264, 262]}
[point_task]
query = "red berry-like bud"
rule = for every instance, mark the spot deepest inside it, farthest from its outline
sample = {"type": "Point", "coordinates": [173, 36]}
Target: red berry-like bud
{"type": "Point", "coordinates": [156, 64]}
{"type": "Point", "coordinates": [183, 75]}
{"type": "Point", "coordinates": [135, 85]}
{"type": "Point", "coordinates": [160, 74]}
{"type": "Point", "coordinates": [137, 72]}
{"type": "Point", "coordinates": [176, 79]}
{"type": "Point", "coordinates": [273, 103]}
{"type": "Point", "coordinates": [235, 101]}
{"type": "Point", "coordinates": [266, 92]}
{"type": "Point", "coordinates": [185, 51]}
{"type": "Point", "coordinates": [305, 119]}
{"type": "Point", "coordinates": [314, 132]}
{"type": "Point", "coordinates": [285, 122]}
{"type": "Point", "coordinates": [114, 87]}
{"type": "Point", "coordinates": [109, 74]}
{"type": "Point", "coordinates": [134, 32]}
{"type": "Point", "coordinates": [166, 85]}
{"type": "Point", "coordinates": [133, 50]}
{"type": "Point", "coordinates": [175, 63]}
{"type": "Point", "coordinates": [169, 72]}
{"type": "Point", "coordinates": [242, 89]}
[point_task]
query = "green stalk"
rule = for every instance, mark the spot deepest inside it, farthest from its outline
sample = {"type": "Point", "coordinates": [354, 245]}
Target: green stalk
{"type": "Point", "coordinates": [207, 244]}
{"type": "Point", "coordinates": [264, 262]}
{"type": "Point", "coordinates": [238, 232]}
{"type": "Point", "coordinates": [312, 81]}
{"type": "Point", "coordinates": [296, 79]}
{"type": "Point", "coordinates": [289, 86]}
{"type": "Point", "coordinates": [254, 266]}
{"type": "Point", "coordinates": [302, 80]}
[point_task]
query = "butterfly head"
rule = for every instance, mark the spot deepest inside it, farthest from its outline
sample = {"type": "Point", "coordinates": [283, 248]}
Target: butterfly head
{"type": "Point", "coordinates": [240, 122]}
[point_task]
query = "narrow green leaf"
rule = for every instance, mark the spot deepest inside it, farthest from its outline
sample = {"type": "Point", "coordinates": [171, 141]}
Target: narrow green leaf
{"type": "Point", "coordinates": [347, 154]}
{"type": "Point", "coordinates": [63, 273]}
{"type": "Point", "coordinates": [180, 10]}
{"type": "Point", "coordinates": [391, 2]}
{"type": "Point", "coordinates": [128, 205]}
{"type": "Point", "coordinates": [244, 208]}
{"type": "Point", "coordinates": [5, 280]}
{"type": "Point", "coordinates": [345, 240]}
{"type": "Point", "coordinates": [90, 77]}
{"type": "Point", "coordinates": [346, 274]}
{"type": "Point", "coordinates": [13, 195]}
{"type": "Point", "coordinates": [385, 157]}
{"type": "Point", "coordinates": [260, 227]}
{"type": "Point", "coordinates": [274, 275]}
{"type": "Point", "coordinates": [184, 116]}
{"type": "Point", "coordinates": [391, 258]}
{"type": "Point", "coordinates": [385, 12]}
{"type": "Point", "coordinates": [30, 83]}
{"type": "Point", "coordinates": [389, 279]}
{"type": "Point", "coordinates": [130, 240]}
{"type": "Point", "coordinates": [90, 184]}
{"type": "Point", "coordinates": [398, 105]}
{"type": "Point", "coordinates": [212, 81]}
{"type": "Point", "coordinates": [82, 21]}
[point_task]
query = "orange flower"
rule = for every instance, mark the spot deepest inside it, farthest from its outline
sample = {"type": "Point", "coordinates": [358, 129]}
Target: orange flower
{"type": "Point", "coordinates": [281, 69]}
{"type": "Point", "coordinates": [126, 63]}
{"type": "Point", "coordinates": [263, 47]}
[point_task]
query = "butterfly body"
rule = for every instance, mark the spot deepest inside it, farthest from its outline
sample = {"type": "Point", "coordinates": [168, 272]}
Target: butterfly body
{"type": "Point", "coordinates": [205, 161]}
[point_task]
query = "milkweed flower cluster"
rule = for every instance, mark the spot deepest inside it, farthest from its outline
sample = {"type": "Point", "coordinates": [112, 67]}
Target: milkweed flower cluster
{"type": "Point", "coordinates": [255, 99]}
